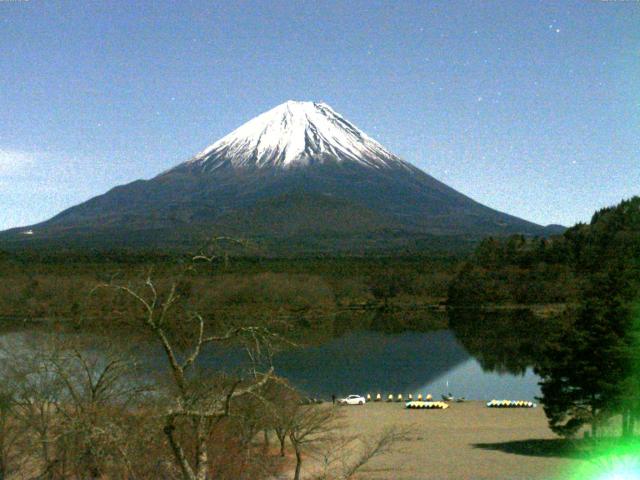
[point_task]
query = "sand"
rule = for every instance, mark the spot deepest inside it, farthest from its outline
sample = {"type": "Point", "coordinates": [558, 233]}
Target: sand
{"type": "Point", "coordinates": [466, 441]}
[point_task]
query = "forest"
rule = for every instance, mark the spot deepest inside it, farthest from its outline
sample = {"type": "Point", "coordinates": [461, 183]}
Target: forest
{"type": "Point", "coordinates": [587, 352]}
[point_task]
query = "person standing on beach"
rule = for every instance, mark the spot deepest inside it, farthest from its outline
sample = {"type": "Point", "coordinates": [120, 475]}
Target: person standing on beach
{"type": "Point", "coordinates": [333, 398]}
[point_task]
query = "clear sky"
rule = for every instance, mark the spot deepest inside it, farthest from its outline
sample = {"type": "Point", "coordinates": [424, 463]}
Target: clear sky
{"type": "Point", "coordinates": [532, 108]}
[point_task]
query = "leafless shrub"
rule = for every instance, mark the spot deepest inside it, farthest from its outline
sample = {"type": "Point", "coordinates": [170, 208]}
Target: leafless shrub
{"type": "Point", "coordinates": [347, 456]}
{"type": "Point", "coordinates": [10, 434]}
{"type": "Point", "coordinates": [73, 409]}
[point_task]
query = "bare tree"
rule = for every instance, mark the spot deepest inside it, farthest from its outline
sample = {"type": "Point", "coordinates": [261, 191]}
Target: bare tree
{"type": "Point", "coordinates": [311, 425]}
{"type": "Point", "coordinates": [73, 405]}
{"type": "Point", "coordinates": [196, 403]}
{"type": "Point", "coordinates": [99, 391]}
{"type": "Point", "coordinates": [10, 434]}
{"type": "Point", "coordinates": [281, 401]}
{"type": "Point", "coordinates": [37, 394]}
{"type": "Point", "coordinates": [220, 246]}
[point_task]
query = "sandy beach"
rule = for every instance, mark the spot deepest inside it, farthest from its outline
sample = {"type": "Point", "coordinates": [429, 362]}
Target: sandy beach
{"type": "Point", "coordinates": [465, 441]}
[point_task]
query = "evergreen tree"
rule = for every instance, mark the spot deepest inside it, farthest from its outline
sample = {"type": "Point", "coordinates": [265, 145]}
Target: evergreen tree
{"type": "Point", "coordinates": [592, 371]}
{"type": "Point", "coordinates": [582, 370]}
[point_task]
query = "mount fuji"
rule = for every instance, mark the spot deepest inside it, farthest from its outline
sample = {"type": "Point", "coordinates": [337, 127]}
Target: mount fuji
{"type": "Point", "coordinates": [297, 178]}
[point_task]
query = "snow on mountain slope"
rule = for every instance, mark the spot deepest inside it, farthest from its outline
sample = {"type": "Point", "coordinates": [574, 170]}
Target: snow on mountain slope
{"type": "Point", "coordinates": [293, 134]}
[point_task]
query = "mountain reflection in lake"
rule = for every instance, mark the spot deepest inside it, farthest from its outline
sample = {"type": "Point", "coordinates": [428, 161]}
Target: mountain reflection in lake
{"type": "Point", "coordinates": [410, 362]}
{"type": "Point", "coordinates": [361, 362]}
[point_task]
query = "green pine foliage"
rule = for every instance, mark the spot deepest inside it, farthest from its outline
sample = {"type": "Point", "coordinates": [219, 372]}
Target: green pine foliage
{"type": "Point", "coordinates": [591, 371]}
{"type": "Point", "coordinates": [516, 271]}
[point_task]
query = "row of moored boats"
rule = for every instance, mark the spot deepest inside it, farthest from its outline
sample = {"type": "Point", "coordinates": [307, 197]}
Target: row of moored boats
{"type": "Point", "coordinates": [400, 398]}
{"type": "Point", "coordinates": [510, 404]}
{"type": "Point", "coordinates": [427, 401]}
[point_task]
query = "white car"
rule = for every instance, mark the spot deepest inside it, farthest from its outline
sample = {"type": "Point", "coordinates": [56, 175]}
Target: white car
{"type": "Point", "coordinates": [352, 400]}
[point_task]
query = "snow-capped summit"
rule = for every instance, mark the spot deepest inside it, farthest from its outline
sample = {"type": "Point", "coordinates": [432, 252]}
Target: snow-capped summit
{"type": "Point", "coordinates": [295, 133]}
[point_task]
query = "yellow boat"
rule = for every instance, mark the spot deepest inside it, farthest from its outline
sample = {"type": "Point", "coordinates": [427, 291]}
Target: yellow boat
{"type": "Point", "coordinates": [426, 405]}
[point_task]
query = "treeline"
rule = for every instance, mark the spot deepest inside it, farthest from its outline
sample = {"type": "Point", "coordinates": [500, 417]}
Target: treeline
{"type": "Point", "coordinates": [320, 293]}
{"type": "Point", "coordinates": [517, 271]}
{"type": "Point", "coordinates": [522, 270]}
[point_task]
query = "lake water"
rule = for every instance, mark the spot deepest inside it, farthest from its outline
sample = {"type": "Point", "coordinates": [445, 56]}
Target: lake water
{"type": "Point", "coordinates": [410, 362]}
{"type": "Point", "coordinates": [364, 362]}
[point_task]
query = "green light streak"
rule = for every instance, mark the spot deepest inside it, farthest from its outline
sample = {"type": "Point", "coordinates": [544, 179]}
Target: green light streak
{"type": "Point", "coordinates": [618, 463]}
{"type": "Point", "coordinates": [616, 458]}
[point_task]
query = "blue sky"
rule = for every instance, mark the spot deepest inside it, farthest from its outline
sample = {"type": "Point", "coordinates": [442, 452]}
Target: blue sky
{"type": "Point", "coordinates": [532, 108]}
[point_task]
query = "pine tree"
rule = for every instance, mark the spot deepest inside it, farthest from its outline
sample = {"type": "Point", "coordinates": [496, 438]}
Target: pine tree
{"type": "Point", "coordinates": [592, 371]}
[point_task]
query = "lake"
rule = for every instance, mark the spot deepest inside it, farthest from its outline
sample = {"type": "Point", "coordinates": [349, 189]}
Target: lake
{"type": "Point", "coordinates": [373, 362]}
{"type": "Point", "coordinates": [410, 362]}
